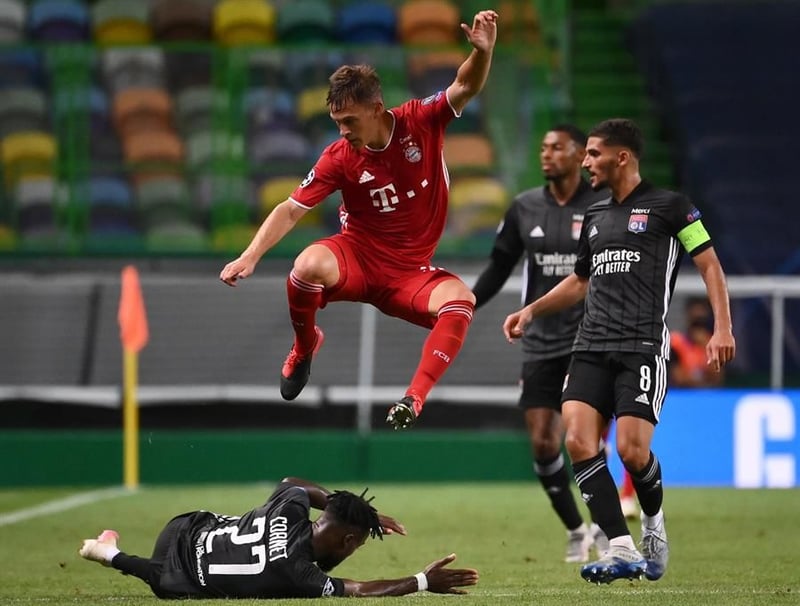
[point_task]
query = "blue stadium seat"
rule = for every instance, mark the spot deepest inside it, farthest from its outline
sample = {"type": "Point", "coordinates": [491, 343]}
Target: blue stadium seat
{"type": "Point", "coordinates": [58, 21]}
{"type": "Point", "coordinates": [367, 23]}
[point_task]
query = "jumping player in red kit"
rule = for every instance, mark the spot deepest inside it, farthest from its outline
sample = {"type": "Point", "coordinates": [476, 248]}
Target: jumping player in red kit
{"type": "Point", "coordinates": [391, 173]}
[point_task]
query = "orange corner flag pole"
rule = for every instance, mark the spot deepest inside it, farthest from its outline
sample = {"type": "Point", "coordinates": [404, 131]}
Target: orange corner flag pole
{"type": "Point", "coordinates": [134, 335]}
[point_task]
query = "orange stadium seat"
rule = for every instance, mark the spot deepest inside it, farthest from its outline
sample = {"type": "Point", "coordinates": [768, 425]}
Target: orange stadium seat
{"type": "Point", "coordinates": [181, 20]}
{"type": "Point", "coordinates": [121, 22]}
{"type": "Point", "coordinates": [468, 152]}
{"type": "Point", "coordinates": [421, 22]}
{"type": "Point", "coordinates": [141, 109]}
{"type": "Point", "coordinates": [244, 22]}
{"type": "Point", "coordinates": [27, 155]}
{"type": "Point", "coordinates": [520, 23]}
{"type": "Point", "coordinates": [153, 154]}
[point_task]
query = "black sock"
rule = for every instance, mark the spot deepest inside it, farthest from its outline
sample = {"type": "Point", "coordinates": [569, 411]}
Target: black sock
{"type": "Point", "coordinates": [142, 568]}
{"type": "Point", "coordinates": [599, 492]}
{"type": "Point", "coordinates": [555, 481]}
{"type": "Point", "coordinates": [647, 482]}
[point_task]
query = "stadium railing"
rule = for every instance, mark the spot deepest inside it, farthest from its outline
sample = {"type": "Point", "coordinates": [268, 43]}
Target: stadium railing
{"type": "Point", "coordinates": [234, 356]}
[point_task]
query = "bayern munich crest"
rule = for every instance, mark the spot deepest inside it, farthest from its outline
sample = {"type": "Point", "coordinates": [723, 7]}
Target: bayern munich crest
{"type": "Point", "coordinates": [413, 153]}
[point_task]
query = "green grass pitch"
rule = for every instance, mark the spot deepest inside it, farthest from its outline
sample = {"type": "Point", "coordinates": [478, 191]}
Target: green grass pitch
{"type": "Point", "coordinates": [728, 547]}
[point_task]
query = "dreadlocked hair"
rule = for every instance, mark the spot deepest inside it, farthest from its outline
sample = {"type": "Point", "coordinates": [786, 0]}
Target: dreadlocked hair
{"type": "Point", "coordinates": [355, 510]}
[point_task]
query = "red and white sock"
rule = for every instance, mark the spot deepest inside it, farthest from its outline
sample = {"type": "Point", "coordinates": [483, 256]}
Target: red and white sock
{"type": "Point", "coordinates": [440, 348]}
{"type": "Point", "coordinates": [305, 299]}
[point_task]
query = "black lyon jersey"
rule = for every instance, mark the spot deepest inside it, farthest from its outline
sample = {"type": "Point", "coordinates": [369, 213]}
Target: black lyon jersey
{"type": "Point", "coordinates": [630, 252]}
{"type": "Point", "coordinates": [547, 234]}
{"type": "Point", "coordinates": [265, 553]}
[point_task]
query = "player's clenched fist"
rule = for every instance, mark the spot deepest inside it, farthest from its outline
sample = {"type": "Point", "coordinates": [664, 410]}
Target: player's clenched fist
{"type": "Point", "coordinates": [515, 324]}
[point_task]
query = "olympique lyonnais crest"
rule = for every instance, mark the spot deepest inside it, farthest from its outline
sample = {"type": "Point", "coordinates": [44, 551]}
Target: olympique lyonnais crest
{"type": "Point", "coordinates": [577, 223]}
{"type": "Point", "coordinates": [637, 224]}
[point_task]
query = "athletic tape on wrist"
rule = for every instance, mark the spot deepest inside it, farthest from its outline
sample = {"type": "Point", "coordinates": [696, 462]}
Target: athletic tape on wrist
{"type": "Point", "coordinates": [422, 581]}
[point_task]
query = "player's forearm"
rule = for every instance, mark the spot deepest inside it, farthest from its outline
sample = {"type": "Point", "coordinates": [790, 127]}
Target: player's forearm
{"type": "Point", "coordinates": [566, 293]}
{"type": "Point", "coordinates": [377, 589]}
{"type": "Point", "coordinates": [277, 224]}
{"type": "Point", "coordinates": [317, 495]}
{"type": "Point", "coordinates": [717, 289]}
{"type": "Point", "coordinates": [491, 281]}
{"type": "Point", "coordinates": [473, 73]}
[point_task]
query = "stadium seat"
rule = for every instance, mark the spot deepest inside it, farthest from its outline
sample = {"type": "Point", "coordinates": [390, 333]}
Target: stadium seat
{"type": "Point", "coordinates": [141, 109]}
{"type": "Point", "coordinates": [8, 238]}
{"type": "Point", "coordinates": [307, 69]}
{"type": "Point", "coordinates": [228, 238]}
{"type": "Point", "coordinates": [12, 21]}
{"type": "Point", "coordinates": [477, 204]}
{"type": "Point", "coordinates": [209, 189]}
{"type": "Point", "coordinates": [27, 155]}
{"type": "Point", "coordinates": [162, 200]}
{"type": "Point", "coordinates": [274, 191]}
{"type": "Point", "coordinates": [121, 22]}
{"type": "Point", "coordinates": [181, 20]}
{"type": "Point", "coordinates": [275, 152]}
{"type": "Point", "coordinates": [180, 238]}
{"type": "Point", "coordinates": [268, 108]}
{"type": "Point", "coordinates": [187, 69]}
{"type": "Point", "coordinates": [431, 72]}
{"type": "Point", "coordinates": [58, 21]}
{"type": "Point", "coordinates": [199, 108]}
{"type": "Point", "coordinates": [223, 199]}
{"type": "Point", "coordinates": [305, 21]}
{"type": "Point", "coordinates": [211, 149]}
{"type": "Point", "coordinates": [21, 67]}
{"type": "Point", "coordinates": [22, 109]}
{"type": "Point", "coordinates": [153, 154]}
{"type": "Point", "coordinates": [244, 22]}
{"type": "Point", "coordinates": [313, 111]}
{"type": "Point", "coordinates": [267, 69]}
{"type": "Point", "coordinates": [468, 153]}
{"type": "Point", "coordinates": [133, 68]}
{"type": "Point", "coordinates": [520, 24]}
{"type": "Point", "coordinates": [367, 23]}
{"type": "Point", "coordinates": [35, 204]}
{"type": "Point", "coordinates": [110, 207]}
{"type": "Point", "coordinates": [428, 22]}
{"type": "Point", "coordinates": [393, 96]}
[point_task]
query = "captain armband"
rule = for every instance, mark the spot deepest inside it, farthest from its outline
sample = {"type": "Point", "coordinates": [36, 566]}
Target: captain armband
{"type": "Point", "coordinates": [693, 235]}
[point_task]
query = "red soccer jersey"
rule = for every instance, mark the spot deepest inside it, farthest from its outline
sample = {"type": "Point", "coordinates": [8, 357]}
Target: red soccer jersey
{"type": "Point", "coordinates": [395, 198]}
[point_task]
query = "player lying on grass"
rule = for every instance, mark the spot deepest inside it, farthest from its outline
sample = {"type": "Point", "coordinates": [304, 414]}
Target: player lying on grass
{"type": "Point", "coordinates": [272, 551]}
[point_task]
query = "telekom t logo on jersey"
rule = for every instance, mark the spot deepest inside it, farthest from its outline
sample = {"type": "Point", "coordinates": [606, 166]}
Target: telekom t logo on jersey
{"type": "Point", "coordinates": [384, 198]}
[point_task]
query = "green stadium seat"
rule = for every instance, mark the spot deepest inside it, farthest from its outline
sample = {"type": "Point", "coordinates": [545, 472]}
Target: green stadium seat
{"type": "Point", "coordinates": [305, 21]}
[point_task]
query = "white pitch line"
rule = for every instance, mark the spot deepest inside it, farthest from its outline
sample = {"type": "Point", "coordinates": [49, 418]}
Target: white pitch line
{"type": "Point", "coordinates": [59, 505]}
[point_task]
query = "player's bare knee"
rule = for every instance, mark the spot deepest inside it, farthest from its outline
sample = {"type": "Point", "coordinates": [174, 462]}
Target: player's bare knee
{"type": "Point", "coordinates": [316, 264]}
{"type": "Point", "coordinates": [634, 455]}
{"type": "Point", "coordinates": [580, 447]}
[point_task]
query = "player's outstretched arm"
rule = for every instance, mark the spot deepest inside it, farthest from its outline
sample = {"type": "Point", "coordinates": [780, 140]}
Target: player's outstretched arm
{"type": "Point", "coordinates": [277, 224]}
{"type": "Point", "coordinates": [436, 578]}
{"type": "Point", "coordinates": [564, 294]}
{"type": "Point", "coordinates": [472, 74]}
{"type": "Point", "coordinates": [721, 346]}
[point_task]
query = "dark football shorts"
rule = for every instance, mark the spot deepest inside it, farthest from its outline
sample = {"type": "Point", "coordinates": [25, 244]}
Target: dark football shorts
{"type": "Point", "coordinates": [542, 382]}
{"type": "Point", "coordinates": [618, 384]}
